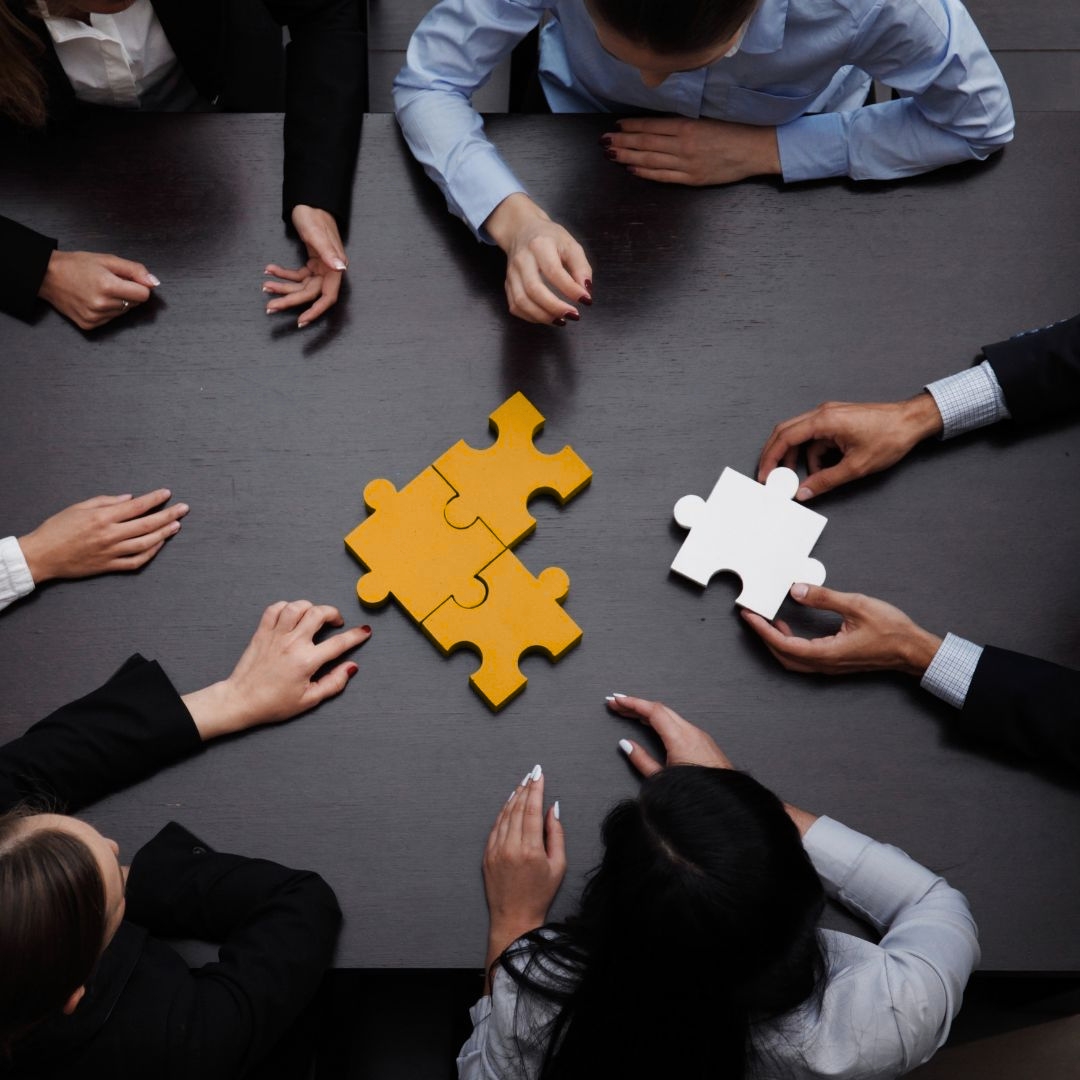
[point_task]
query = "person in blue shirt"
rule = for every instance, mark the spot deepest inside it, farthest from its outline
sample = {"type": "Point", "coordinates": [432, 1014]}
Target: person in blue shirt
{"type": "Point", "coordinates": [753, 87]}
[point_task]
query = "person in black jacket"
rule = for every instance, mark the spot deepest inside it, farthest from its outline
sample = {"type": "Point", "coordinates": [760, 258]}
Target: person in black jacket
{"type": "Point", "coordinates": [173, 55]}
{"type": "Point", "coordinates": [85, 987]}
{"type": "Point", "coordinates": [1018, 701]}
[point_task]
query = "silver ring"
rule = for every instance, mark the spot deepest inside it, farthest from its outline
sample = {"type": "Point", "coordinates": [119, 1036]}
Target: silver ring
{"type": "Point", "coordinates": [126, 303]}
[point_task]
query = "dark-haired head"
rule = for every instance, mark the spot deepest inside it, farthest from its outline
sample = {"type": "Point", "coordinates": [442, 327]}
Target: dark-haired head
{"type": "Point", "coordinates": [700, 921]}
{"type": "Point", "coordinates": [670, 27]}
{"type": "Point", "coordinates": [54, 920]}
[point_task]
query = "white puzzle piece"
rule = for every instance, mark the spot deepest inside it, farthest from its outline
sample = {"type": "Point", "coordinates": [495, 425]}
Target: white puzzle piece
{"type": "Point", "coordinates": [754, 530]}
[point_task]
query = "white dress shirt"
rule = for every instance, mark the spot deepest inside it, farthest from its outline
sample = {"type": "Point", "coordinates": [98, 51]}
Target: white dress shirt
{"type": "Point", "coordinates": [122, 61]}
{"type": "Point", "coordinates": [885, 1008]}
{"type": "Point", "coordinates": [15, 579]}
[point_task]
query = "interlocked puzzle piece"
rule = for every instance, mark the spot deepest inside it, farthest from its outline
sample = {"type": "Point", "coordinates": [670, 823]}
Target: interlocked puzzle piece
{"type": "Point", "coordinates": [439, 547]}
{"type": "Point", "coordinates": [521, 614]}
{"type": "Point", "coordinates": [494, 485]}
{"type": "Point", "coordinates": [755, 531]}
{"type": "Point", "coordinates": [413, 553]}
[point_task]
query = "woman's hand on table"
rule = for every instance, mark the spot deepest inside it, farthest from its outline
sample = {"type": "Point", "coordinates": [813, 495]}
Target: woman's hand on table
{"type": "Point", "coordinates": [679, 150]}
{"type": "Point", "coordinates": [524, 864]}
{"type": "Point", "coordinates": [547, 272]}
{"type": "Point", "coordinates": [274, 679]}
{"type": "Point", "coordinates": [318, 281]}
{"type": "Point", "coordinates": [874, 636]}
{"type": "Point", "coordinates": [91, 289]}
{"type": "Point", "coordinates": [869, 437]}
{"type": "Point", "coordinates": [100, 535]}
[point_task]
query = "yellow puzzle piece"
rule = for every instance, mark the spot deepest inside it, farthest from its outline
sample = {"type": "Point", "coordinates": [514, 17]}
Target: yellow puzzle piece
{"type": "Point", "coordinates": [494, 485]}
{"type": "Point", "coordinates": [521, 614]}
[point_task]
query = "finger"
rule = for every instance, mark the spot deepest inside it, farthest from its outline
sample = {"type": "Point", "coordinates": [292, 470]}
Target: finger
{"type": "Point", "coordinates": [331, 288]}
{"type": "Point", "coordinates": [292, 613]}
{"type": "Point", "coordinates": [822, 599]}
{"type": "Point", "coordinates": [524, 306]}
{"type": "Point", "coordinates": [656, 125]}
{"type": "Point", "coordinates": [283, 288]}
{"type": "Point", "coordinates": [272, 614]}
{"type": "Point", "coordinates": [648, 159]}
{"type": "Point", "coordinates": [782, 626]}
{"type": "Point", "coordinates": [332, 683]}
{"type": "Point", "coordinates": [140, 543]}
{"type": "Point", "coordinates": [555, 840]}
{"type": "Point", "coordinates": [133, 562]}
{"type": "Point", "coordinates": [99, 501]}
{"type": "Point", "coordinates": [786, 437]}
{"type": "Point", "coordinates": [661, 176]}
{"type": "Point", "coordinates": [515, 813]}
{"type": "Point", "coordinates": [304, 295]}
{"type": "Point", "coordinates": [644, 762]}
{"type": "Point", "coordinates": [327, 248]}
{"type": "Point", "coordinates": [300, 274]}
{"type": "Point", "coordinates": [316, 617]}
{"type": "Point", "coordinates": [843, 472]}
{"type": "Point", "coordinates": [532, 824]}
{"type": "Point", "coordinates": [550, 263]}
{"type": "Point", "coordinates": [339, 644]}
{"type": "Point", "coordinates": [641, 141]}
{"type": "Point", "coordinates": [580, 270]}
{"type": "Point", "coordinates": [816, 450]}
{"type": "Point", "coordinates": [131, 271]}
{"type": "Point", "coordinates": [135, 508]}
{"type": "Point", "coordinates": [118, 289]}
{"type": "Point", "coordinates": [143, 526]}
{"type": "Point", "coordinates": [786, 647]}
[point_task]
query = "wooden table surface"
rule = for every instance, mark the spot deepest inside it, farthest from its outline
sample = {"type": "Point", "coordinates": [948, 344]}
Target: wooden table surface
{"type": "Point", "coordinates": [718, 313]}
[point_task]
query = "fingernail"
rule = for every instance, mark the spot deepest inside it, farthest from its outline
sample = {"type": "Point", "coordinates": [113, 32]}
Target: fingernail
{"type": "Point", "coordinates": [558, 816]}
{"type": "Point", "coordinates": [267, 270]}
{"type": "Point", "coordinates": [269, 311]}
{"type": "Point", "coordinates": [803, 493]}
{"type": "Point", "coordinates": [574, 316]}
{"type": "Point", "coordinates": [588, 284]}
{"type": "Point", "coordinates": [585, 300]}
{"type": "Point", "coordinates": [337, 264]}
{"type": "Point", "coordinates": [266, 288]}
{"type": "Point", "coordinates": [174, 527]}
{"type": "Point", "coordinates": [525, 778]}
{"type": "Point", "coordinates": [626, 746]}
{"type": "Point", "coordinates": [154, 280]}
{"type": "Point", "coordinates": [512, 794]}
{"type": "Point", "coordinates": [300, 325]}
{"type": "Point", "coordinates": [610, 154]}
{"type": "Point", "coordinates": [536, 773]}
{"type": "Point", "coordinates": [366, 629]}
{"type": "Point", "coordinates": [615, 693]}
{"type": "Point", "coordinates": [610, 699]}
{"type": "Point", "coordinates": [351, 670]}
{"type": "Point", "coordinates": [799, 591]}
{"type": "Point", "coordinates": [605, 140]}
{"type": "Point", "coordinates": [558, 322]}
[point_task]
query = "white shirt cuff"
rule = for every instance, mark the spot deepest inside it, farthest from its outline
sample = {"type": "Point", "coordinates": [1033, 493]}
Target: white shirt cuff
{"type": "Point", "coordinates": [950, 672]}
{"type": "Point", "coordinates": [968, 400]}
{"type": "Point", "coordinates": [15, 578]}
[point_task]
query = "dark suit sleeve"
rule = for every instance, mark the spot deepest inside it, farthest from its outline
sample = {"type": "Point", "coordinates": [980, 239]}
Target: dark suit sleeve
{"type": "Point", "coordinates": [326, 87]}
{"type": "Point", "coordinates": [1027, 705]}
{"type": "Point", "coordinates": [1039, 372]}
{"type": "Point", "coordinates": [24, 258]}
{"type": "Point", "coordinates": [124, 731]}
{"type": "Point", "coordinates": [277, 928]}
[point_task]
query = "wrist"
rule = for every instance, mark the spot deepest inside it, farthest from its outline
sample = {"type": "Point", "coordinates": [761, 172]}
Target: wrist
{"type": "Point", "coordinates": [919, 652]}
{"type": "Point", "coordinates": [36, 557]}
{"type": "Point", "coordinates": [769, 152]}
{"type": "Point", "coordinates": [217, 710]}
{"type": "Point", "coordinates": [508, 218]}
{"type": "Point", "coordinates": [803, 819]}
{"type": "Point", "coordinates": [921, 417]}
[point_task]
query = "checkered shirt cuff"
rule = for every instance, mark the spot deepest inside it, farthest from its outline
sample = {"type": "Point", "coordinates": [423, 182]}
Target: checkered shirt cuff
{"type": "Point", "coordinates": [968, 400]}
{"type": "Point", "coordinates": [952, 669]}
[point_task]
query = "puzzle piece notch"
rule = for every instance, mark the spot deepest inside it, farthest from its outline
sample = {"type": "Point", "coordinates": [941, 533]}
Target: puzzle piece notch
{"type": "Point", "coordinates": [522, 614]}
{"type": "Point", "coordinates": [494, 485]}
{"type": "Point", "coordinates": [412, 552]}
{"type": "Point", "coordinates": [754, 531]}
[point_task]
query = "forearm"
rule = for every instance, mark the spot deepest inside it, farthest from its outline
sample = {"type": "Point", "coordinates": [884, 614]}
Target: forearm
{"type": "Point", "coordinates": [26, 255]}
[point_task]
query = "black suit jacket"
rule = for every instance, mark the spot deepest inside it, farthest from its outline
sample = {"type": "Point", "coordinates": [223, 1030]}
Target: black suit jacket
{"type": "Point", "coordinates": [1020, 703]}
{"type": "Point", "coordinates": [145, 1014]}
{"type": "Point", "coordinates": [220, 44]}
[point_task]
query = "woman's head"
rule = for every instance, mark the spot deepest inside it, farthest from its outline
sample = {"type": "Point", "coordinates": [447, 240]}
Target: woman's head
{"type": "Point", "coordinates": [700, 920]}
{"type": "Point", "coordinates": [61, 901]}
{"type": "Point", "coordinates": [661, 37]}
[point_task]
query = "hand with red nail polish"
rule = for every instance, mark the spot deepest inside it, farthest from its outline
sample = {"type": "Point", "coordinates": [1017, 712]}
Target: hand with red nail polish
{"type": "Point", "coordinates": [544, 264]}
{"type": "Point", "coordinates": [274, 679]}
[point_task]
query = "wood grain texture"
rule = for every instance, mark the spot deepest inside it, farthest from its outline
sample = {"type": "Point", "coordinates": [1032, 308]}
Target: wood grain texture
{"type": "Point", "coordinates": [718, 313]}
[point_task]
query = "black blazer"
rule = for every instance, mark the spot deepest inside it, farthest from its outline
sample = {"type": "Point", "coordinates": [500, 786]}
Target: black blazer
{"type": "Point", "coordinates": [145, 1014]}
{"type": "Point", "coordinates": [218, 45]}
{"type": "Point", "coordinates": [1020, 703]}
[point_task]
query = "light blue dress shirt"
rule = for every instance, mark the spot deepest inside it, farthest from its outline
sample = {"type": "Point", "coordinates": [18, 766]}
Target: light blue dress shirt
{"type": "Point", "coordinates": [803, 66]}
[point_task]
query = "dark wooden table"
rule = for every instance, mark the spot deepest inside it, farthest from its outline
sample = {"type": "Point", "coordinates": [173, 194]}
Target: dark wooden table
{"type": "Point", "coordinates": [718, 312]}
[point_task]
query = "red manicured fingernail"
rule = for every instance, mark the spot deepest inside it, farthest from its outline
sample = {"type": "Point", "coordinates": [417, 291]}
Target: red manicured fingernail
{"type": "Point", "coordinates": [352, 670]}
{"type": "Point", "coordinates": [605, 140]}
{"type": "Point", "coordinates": [588, 284]}
{"type": "Point", "coordinates": [610, 154]}
{"type": "Point", "coordinates": [558, 322]}
{"type": "Point", "coordinates": [366, 629]}
{"type": "Point", "coordinates": [585, 300]}
{"type": "Point", "coordinates": [573, 315]}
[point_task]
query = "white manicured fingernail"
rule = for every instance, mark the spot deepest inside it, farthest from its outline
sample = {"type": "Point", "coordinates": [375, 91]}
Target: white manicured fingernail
{"type": "Point", "coordinates": [626, 746]}
{"type": "Point", "coordinates": [799, 591]}
{"type": "Point", "coordinates": [266, 288]}
{"type": "Point", "coordinates": [615, 693]}
{"type": "Point", "coordinates": [558, 816]}
{"type": "Point", "coordinates": [512, 794]}
{"type": "Point", "coordinates": [525, 778]}
{"type": "Point", "coordinates": [536, 773]}
{"type": "Point", "coordinates": [338, 265]}
{"type": "Point", "coordinates": [154, 280]}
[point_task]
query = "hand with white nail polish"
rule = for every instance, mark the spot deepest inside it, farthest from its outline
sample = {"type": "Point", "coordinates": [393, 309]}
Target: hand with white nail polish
{"type": "Point", "coordinates": [318, 281]}
{"type": "Point", "coordinates": [524, 864]}
{"type": "Point", "coordinates": [684, 743]}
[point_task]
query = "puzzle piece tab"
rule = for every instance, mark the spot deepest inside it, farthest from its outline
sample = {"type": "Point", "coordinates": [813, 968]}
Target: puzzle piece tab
{"type": "Point", "coordinates": [495, 484]}
{"type": "Point", "coordinates": [755, 531]}
{"type": "Point", "coordinates": [413, 553]}
{"type": "Point", "coordinates": [521, 614]}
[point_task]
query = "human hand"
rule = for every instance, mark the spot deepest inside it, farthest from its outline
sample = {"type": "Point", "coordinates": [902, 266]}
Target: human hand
{"type": "Point", "coordinates": [524, 864]}
{"type": "Point", "coordinates": [318, 281]}
{"type": "Point", "coordinates": [870, 437]}
{"type": "Point", "coordinates": [108, 532]}
{"type": "Point", "coordinates": [874, 636]}
{"type": "Point", "coordinates": [273, 680]}
{"type": "Point", "coordinates": [91, 289]}
{"type": "Point", "coordinates": [680, 150]}
{"type": "Point", "coordinates": [542, 260]}
{"type": "Point", "coordinates": [684, 743]}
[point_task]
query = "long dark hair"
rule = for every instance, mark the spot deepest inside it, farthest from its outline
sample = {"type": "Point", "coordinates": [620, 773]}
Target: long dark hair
{"type": "Point", "coordinates": [22, 86]}
{"type": "Point", "coordinates": [700, 921]}
{"type": "Point", "coordinates": [52, 921]}
{"type": "Point", "coordinates": [674, 26]}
